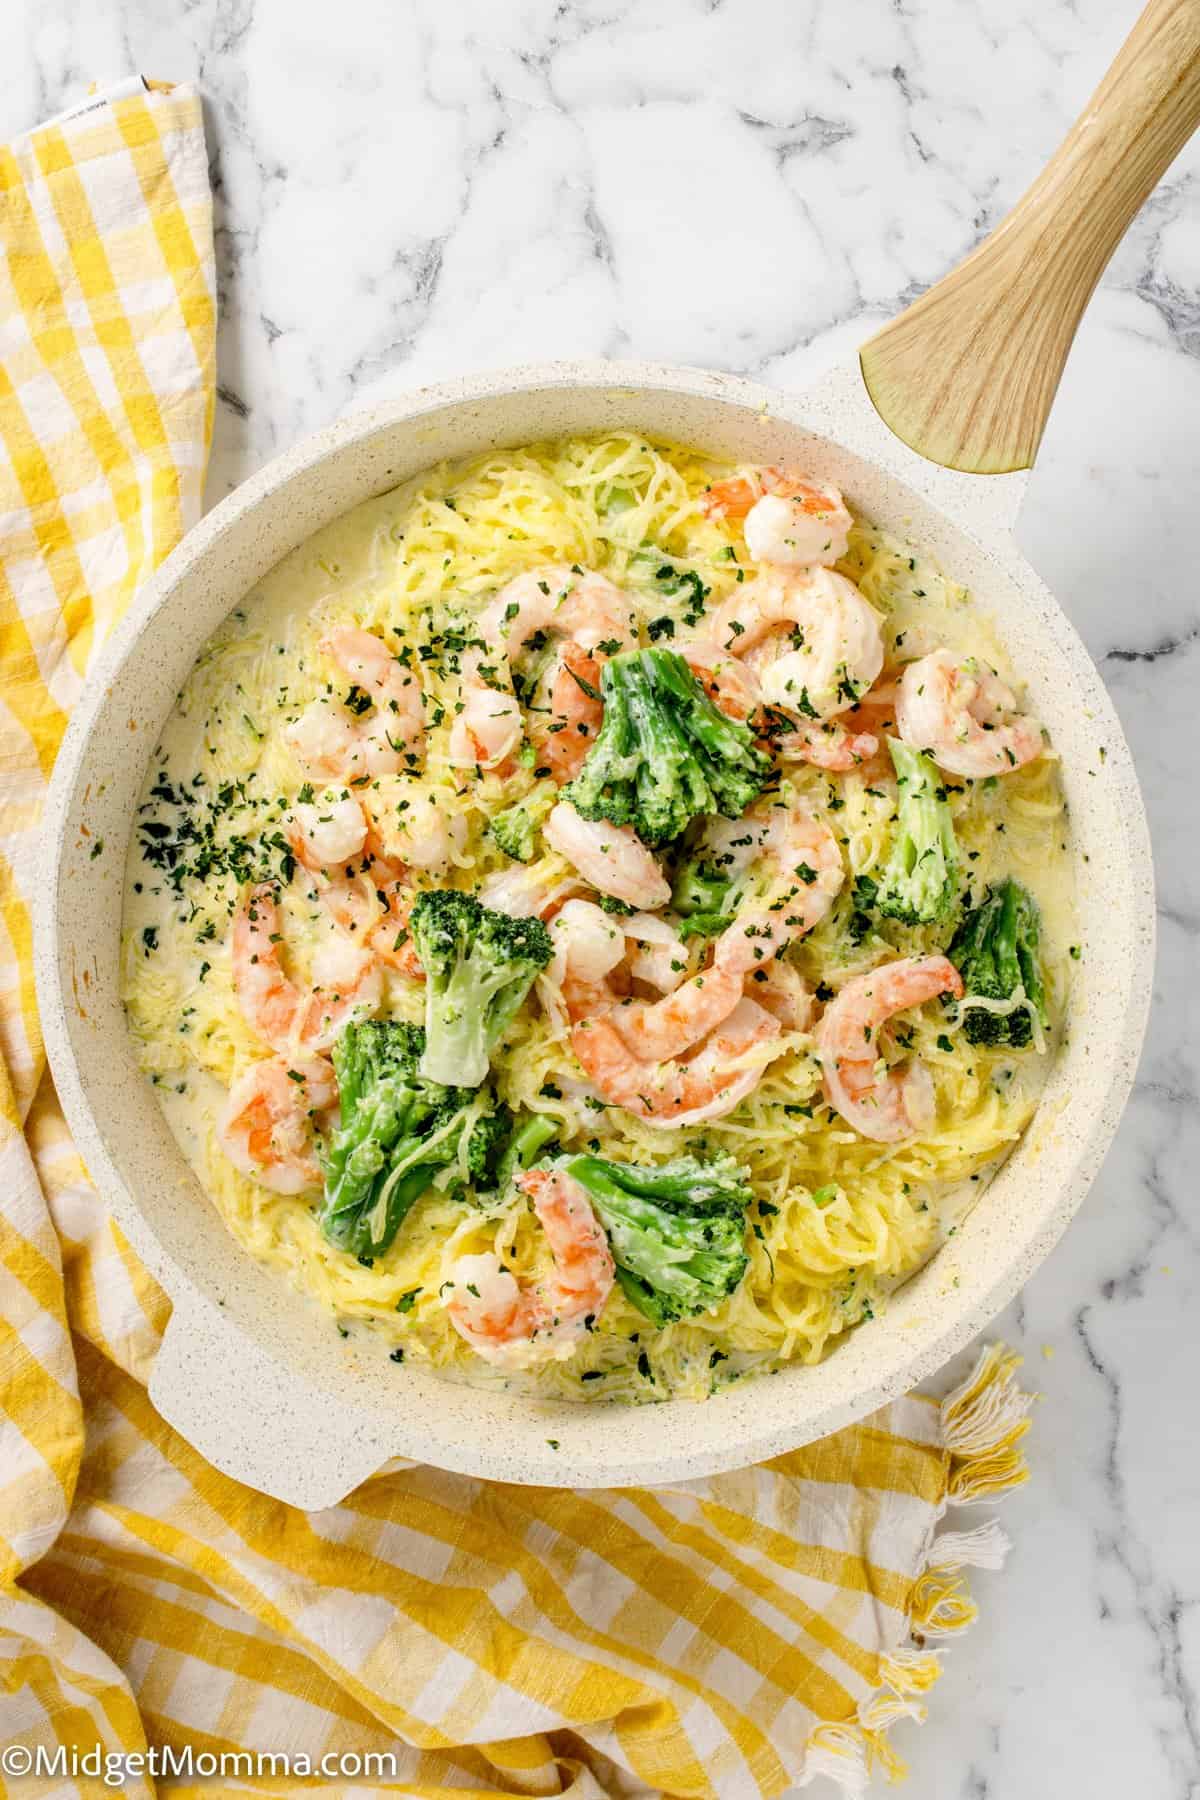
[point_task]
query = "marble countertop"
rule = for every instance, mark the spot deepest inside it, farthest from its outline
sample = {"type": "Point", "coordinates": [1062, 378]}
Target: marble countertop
{"type": "Point", "coordinates": [438, 186]}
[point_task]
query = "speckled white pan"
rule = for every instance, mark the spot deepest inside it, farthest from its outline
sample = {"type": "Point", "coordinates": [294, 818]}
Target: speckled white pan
{"type": "Point", "coordinates": [252, 1374]}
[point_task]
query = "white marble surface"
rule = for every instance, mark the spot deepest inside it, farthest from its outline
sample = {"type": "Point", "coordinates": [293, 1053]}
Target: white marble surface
{"type": "Point", "coordinates": [408, 188]}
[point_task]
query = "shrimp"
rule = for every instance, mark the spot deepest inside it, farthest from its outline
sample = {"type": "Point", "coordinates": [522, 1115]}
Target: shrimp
{"type": "Point", "coordinates": [795, 863]}
{"type": "Point", "coordinates": [831, 744]}
{"type": "Point", "coordinates": [612, 857]}
{"type": "Point", "coordinates": [265, 1128]}
{"type": "Point", "coordinates": [658, 1030]}
{"type": "Point", "coordinates": [827, 745]}
{"type": "Point", "coordinates": [347, 981]}
{"type": "Point", "coordinates": [579, 607]}
{"type": "Point", "coordinates": [670, 1061]}
{"type": "Point", "coordinates": [707, 1083]}
{"type": "Point", "coordinates": [324, 838]}
{"type": "Point", "coordinates": [575, 604]}
{"type": "Point", "coordinates": [885, 1105]}
{"type": "Point", "coordinates": [729, 684]}
{"type": "Point", "coordinates": [528, 892]}
{"type": "Point", "coordinates": [813, 527]}
{"type": "Point", "coordinates": [514, 1326]}
{"type": "Point", "coordinates": [590, 947]}
{"type": "Point", "coordinates": [371, 903]}
{"type": "Point", "coordinates": [333, 745]}
{"type": "Point", "coordinates": [965, 717]}
{"type": "Point", "coordinates": [391, 939]}
{"type": "Point", "coordinates": [574, 714]}
{"type": "Point", "coordinates": [804, 876]}
{"type": "Point", "coordinates": [725, 681]}
{"type": "Point", "coordinates": [327, 831]}
{"type": "Point", "coordinates": [487, 729]}
{"type": "Point", "coordinates": [789, 520]}
{"type": "Point", "coordinates": [360, 900]}
{"type": "Point", "coordinates": [785, 994]}
{"type": "Point", "coordinates": [659, 956]}
{"type": "Point", "coordinates": [834, 635]}
{"type": "Point", "coordinates": [411, 826]}
{"type": "Point", "coordinates": [588, 944]}
{"type": "Point", "coordinates": [347, 897]}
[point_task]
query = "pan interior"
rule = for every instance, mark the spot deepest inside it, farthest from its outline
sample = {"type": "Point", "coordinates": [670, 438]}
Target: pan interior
{"type": "Point", "coordinates": [125, 1139]}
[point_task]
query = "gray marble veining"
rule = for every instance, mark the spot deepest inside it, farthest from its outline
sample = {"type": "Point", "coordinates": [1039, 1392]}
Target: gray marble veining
{"type": "Point", "coordinates": [406, 190]}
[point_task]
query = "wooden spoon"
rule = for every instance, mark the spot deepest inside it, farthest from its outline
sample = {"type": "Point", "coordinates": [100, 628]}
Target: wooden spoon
{"type": "Point", "coordinates": [967, 374]}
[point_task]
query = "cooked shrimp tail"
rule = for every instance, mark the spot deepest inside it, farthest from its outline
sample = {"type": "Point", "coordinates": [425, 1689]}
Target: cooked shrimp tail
{"type": "Point", "coordinates": [588, 615]}
{"type": "Point", "coordinates": [519, 1327]}
{"type": "Point", "coordinates": [326, 832]}
{"type": "Point", "coordinates": [266, 1124]}
{"type": "Point", "coordinates": [812, 640]}
{"type": "Point", "coordinates": [612, 857]}
{"type": "Point", "coordinates": [884, 1104]}
{"type": "Point", "coordinates": [965, 717]}
{"type": "Point", "coordinates": [333, 744]}
{"type": "Point", "coordinates": [706, 1083]}
{"type": "Point", "coordinates": [574, 713]}
{"type": "Point", "coordinates": [347, 981]}
{"type": "Point", "coordinates": [789, 519]}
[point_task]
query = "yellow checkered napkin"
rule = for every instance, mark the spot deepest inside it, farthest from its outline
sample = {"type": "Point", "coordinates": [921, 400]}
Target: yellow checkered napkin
{"type": "Point", "coordinates": [726, 1637]}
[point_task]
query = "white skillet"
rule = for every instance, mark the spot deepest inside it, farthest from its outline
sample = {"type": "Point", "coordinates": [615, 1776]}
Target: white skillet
{"type": "Point", "coordinates": [254, 1376]}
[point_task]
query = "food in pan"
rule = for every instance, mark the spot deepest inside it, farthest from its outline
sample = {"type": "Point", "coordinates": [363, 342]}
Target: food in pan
{"type": "Point", "coordinates": [597, 917]}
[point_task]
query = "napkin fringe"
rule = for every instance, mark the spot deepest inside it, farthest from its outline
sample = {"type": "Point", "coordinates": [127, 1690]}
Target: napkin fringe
{"type": "Point", "coordinates": [983, 1421]}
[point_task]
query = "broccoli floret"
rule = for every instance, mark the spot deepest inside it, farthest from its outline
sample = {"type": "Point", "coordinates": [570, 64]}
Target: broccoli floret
{"type": "Point", "coordinates": [703, 896]}
{"type": "Point", "coordinates": [395, 1131]}
{"type": "Point", "coordinates": [676, 1231]}
{"type": "Point", "coordinates": [919, 881]}
{"type": "Point", "coordinates": [515, 829]}
{"type": "Point", "coordinates": [500, 1146]}
{"type": "Point", "coordinates": [995, 950]}
{"type": "Point", "coordinates": [665, 753]}
{"type": "Point", "coordinates": [525, 1146]}
{"type": "Point", "coordinates": [486, 1146]}
{"type": "Point", "coordinates": [479, 965]}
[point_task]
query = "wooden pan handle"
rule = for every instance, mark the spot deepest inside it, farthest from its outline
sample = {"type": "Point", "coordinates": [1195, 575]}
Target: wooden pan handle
{"type": "Point", "coordinates": [967, 374]}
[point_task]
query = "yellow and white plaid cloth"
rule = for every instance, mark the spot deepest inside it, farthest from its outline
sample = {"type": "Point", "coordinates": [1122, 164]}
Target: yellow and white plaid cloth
{"type": "Point", "coordinates": [723, 1637]}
